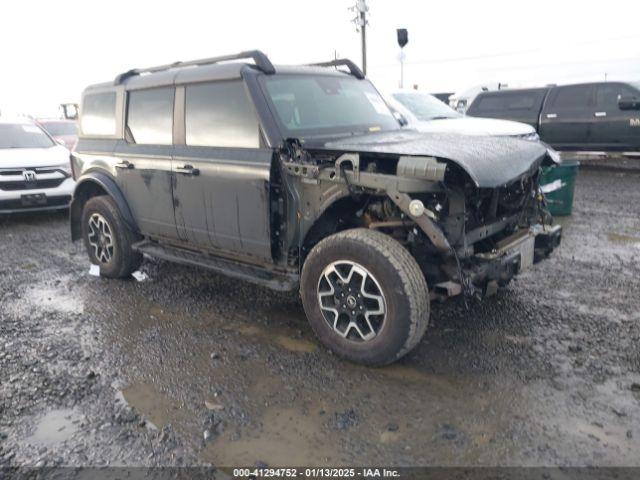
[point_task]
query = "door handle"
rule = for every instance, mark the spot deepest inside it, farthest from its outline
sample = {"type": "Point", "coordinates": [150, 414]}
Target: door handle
{"type": "Point", "coordinates": [125, 164]}
{"type": "Point", "coordinates": [600, 114]}
{"type": "Point", "coordinates": [187, 170]}
{"type": "Point", "coordinates": [552, 115]}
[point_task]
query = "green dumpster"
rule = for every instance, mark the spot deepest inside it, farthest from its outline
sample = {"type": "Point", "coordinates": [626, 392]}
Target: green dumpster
{"type": "Point", "coordinates": [557, 184]}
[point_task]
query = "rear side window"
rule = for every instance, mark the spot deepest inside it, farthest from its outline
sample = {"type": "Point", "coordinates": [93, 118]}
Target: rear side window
{"type": "Point", "coordinates": [150, 116]}
{"type": "Point", "coordinates": [578, 96]}
{"type": "Point", "coordinates": [491, 103]}
{"type": "Point", "coordinates": [220, 115]}
{"type": "Point", "coordinates": [509, 101]}
{"type": "Point", "coordinates": [98, 115]}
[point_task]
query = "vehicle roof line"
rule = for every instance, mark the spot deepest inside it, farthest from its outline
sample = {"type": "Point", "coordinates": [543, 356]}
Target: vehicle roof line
{"type": "Point", "coordinates": [261, 61]}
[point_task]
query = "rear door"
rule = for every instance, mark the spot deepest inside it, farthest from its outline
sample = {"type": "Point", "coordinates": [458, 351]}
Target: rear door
{"type": "Point", "coordinates": [567, 117]}
{"type": "Point", "coordinates": [221, 190]}
{"type": "Point", "coordinates": [144, 169]}
{"type": "Point", "coordinates": [613, 129]}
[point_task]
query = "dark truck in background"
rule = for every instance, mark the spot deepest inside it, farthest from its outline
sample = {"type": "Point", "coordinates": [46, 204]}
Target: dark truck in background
{"type": "Point", "coordinates": [590, 117]}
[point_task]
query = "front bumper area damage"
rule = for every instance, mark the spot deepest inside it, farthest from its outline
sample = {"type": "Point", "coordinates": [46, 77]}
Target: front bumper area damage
{"type": "Point", "coordinates": [514, 255]}
{"type": "Point", "coordinates": [483, 273]}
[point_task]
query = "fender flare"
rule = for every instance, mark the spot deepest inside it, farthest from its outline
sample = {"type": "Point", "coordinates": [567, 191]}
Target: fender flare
{"type": "Point", "coordinates": [105, 183]}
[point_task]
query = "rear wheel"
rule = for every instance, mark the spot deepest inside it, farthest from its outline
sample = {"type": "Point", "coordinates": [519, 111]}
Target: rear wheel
{"type": "Point", "coordinates": [365, 296]}
{"type": "Point", "coordinates": [108, 239]}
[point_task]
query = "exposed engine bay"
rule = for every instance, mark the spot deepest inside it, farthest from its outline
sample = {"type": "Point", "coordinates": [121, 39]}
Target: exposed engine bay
{"type": "Point", "coordinates": [467, 237]}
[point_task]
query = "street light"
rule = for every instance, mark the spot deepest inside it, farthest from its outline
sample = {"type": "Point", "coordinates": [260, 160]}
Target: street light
{"type": "Point", "coordinates": [403, 39]}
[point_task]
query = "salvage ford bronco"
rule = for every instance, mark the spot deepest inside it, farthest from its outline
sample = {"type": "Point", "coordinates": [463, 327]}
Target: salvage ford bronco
{"type": "Point", "coordinates": [301, 177]}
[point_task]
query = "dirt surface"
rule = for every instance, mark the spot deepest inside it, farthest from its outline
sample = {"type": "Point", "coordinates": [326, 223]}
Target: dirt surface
{"type": "Point", "coordinates": [189, 367]}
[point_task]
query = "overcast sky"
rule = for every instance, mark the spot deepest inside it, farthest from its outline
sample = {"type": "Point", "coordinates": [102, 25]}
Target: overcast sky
{"type": "Point", "coordinates": [52, 50]}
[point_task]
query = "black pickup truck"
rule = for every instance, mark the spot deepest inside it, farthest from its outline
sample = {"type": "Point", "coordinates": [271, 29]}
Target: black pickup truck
{"type": "Point", "coordinates": [590, 116]}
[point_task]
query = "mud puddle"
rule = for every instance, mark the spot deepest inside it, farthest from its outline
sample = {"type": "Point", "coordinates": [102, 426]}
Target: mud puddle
{"type": "Point", "coordinates": [622, 238]}
{"type": "Point", "coordinates": [47, 297]}
{"type": "Point", "coordinates": [283, 338]}
{"type": "Point", "coordinates": [157, 409]}
{"type": "Point", "coordinates": [55, 427]}
{"type": "Point", "coordinates": [284, 437]}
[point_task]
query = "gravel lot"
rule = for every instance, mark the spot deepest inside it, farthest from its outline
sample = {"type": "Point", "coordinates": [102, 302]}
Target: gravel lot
{"type": "Point", "coordinates": [189, 367]}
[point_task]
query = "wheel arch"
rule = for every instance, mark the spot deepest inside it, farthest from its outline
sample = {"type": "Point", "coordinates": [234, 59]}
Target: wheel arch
{"type": "Point", "coordinates": [93, 184]}
{"type": "Point", "coordinates": [337, 216]}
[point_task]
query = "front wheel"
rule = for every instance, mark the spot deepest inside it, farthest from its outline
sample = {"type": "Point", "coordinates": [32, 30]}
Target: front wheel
{"type": "Point", "coordinates": [365, 296]}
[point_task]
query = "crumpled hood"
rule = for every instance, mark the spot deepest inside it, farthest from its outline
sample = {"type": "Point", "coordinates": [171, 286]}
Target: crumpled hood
{"type": "Point", "coordinates": [475, 126]}
{"type": "Point", "coordinates": [490, 161]}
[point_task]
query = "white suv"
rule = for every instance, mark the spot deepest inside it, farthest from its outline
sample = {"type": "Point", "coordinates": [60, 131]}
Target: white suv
{"type": "Point", "coordinates": [35, 171]}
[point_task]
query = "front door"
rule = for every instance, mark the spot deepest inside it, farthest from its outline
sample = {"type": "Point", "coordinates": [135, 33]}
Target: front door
{"type": "Point", "coordinates": [143, 171]}
{"type": "Point", "coordinates": [614, 129]}
{"type": "Point", "coordinates": [221, 174]}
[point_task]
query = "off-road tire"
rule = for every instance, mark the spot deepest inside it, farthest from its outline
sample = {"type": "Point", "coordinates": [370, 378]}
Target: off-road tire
{"type": "Point", "coordinates": [402, 283]}
{"type": "Point", "coordinates": [124, 260]}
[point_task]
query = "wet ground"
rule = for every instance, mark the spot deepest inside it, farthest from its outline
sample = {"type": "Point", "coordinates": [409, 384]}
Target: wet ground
{"type": "Point", "coordinates": [189, 367]}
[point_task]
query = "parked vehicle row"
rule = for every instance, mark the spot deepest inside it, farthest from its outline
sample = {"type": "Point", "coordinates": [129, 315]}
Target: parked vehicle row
{"type": "Point", "coordinates": [601, 116]}
{"type": "Point", "coordinates": [63, 131]}
{"type": "Point", "coordinates": [302, 178]}
{"type": "Point", "coordinates": [428, 114]}
{"type": "Point", "coordinates": [35, 172]}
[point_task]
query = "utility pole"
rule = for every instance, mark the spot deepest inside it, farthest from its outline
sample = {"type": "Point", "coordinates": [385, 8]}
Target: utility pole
{"type": "Point", "coordinates": [361, 9]}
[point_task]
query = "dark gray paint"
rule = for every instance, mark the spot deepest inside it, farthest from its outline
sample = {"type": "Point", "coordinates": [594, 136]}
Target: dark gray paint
{"type": "Point", "coordinates": [223, 201]}
{"type": "Point", "coordinates": [147, 186]}
{"type": "Point", "coordinates": [225, 206]}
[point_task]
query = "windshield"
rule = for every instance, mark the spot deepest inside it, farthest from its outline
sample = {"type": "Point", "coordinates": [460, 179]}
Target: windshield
{"type": "Point", "coordinates": [23, 135]}
{"type": "Point", "coordinates": [424, 106]}
{"type": "Point", "coordinates": [60, 128]}
{"type": "Point", "coordinates": [308, 105]}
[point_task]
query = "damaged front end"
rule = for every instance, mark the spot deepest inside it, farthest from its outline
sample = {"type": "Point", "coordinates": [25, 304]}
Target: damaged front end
{"type": "Point", "coordinates": [470, 228]}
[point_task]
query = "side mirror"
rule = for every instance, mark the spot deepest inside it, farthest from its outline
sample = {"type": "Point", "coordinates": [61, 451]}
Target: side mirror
{"type": "Point", "coordinates": [402, 120]}
{"type": "Point", "coordinates": [628, 102]}
{"type": "Point", "coordinates": [59, 141]}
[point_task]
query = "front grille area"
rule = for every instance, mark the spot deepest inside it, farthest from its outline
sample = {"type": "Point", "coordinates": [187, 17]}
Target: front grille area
{"type": "Point", "coordinates": [46, 177]}
{"type": "Point", "coordinates": [38, 184]}
{"type": "Point", "coordinates": [485, 206]}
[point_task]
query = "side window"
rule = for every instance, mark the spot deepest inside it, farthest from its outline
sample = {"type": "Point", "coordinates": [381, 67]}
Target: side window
{"type": "Point", "coordinates": [98, 114]}
{"type": "Point", "coordinates": [575, 97]}
{"type": "Point", "coordinates": [509, 101]}
{"type": "Point", "coordinates": [220, 115]}
{"type": "Point", "coordinates": [491, 102]}
{"type": "Point", "coordinates": [150, 116]}
{"type": "Point", "coordinates": [522, 101]}
{"type": "Point", "coordinates": [607, 94]}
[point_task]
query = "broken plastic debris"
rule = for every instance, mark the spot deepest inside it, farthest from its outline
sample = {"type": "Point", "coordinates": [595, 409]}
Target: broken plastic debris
{"type": "Point", "coordinates": [140, 276]}
{"type": "Point", "coordinates": [213, 406]}
{"type": "Point", "coordinates": [552, 187]}
{"type": "Point", "coordinates": [94, 270]}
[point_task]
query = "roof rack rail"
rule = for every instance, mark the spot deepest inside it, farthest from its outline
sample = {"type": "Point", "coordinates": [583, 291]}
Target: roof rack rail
{"type": "Point", "coordinates": [340, 62]}
{"type": "Point", "coordinates": [261, 60]}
